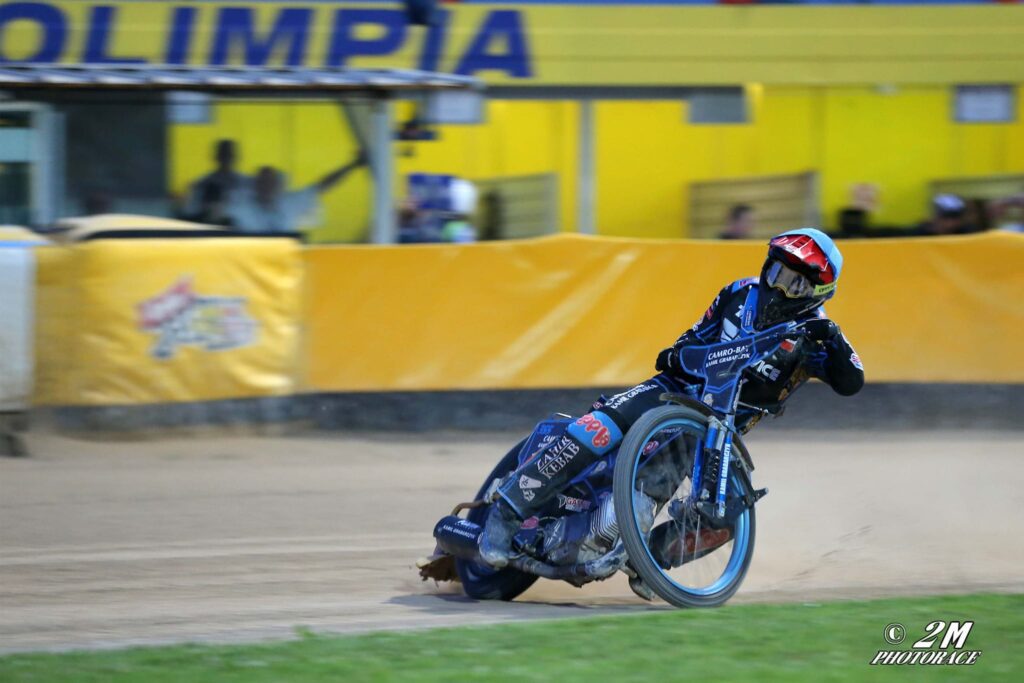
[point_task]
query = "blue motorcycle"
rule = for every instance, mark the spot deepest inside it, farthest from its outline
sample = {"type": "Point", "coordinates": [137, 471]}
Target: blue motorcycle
{"type": "Point", "coordinates": [672, 507]}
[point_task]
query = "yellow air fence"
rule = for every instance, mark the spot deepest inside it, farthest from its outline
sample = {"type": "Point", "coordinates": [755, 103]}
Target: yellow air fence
{"type": "Point", "coordinates": [176, 320]}
{"type": "Point", "coordinates": [134, 321]}
{"type": "Point", "coordinates": [572, 311]}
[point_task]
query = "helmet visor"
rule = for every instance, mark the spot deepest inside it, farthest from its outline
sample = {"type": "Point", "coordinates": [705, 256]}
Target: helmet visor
{"type": "Point", "coordinates": [788, 281]}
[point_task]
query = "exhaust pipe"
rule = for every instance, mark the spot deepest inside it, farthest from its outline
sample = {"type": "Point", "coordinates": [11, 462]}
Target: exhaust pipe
{"type": "Point", "coordinates": [458, 537]}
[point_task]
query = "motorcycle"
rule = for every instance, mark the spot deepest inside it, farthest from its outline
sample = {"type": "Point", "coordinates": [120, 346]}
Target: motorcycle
{"type": "Point", "coordinates": [672, 507]}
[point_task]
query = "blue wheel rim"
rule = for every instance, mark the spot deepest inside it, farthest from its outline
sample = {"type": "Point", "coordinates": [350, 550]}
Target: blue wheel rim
{"type": "Point", "coordinates": [741, 531]}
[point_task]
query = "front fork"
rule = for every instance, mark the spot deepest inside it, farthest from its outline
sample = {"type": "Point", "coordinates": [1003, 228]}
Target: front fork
{"type": "Point", "coordinates": [714, 451]}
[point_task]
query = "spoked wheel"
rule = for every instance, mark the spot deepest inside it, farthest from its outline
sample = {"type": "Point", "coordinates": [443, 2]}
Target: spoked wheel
{"type": "Point", "coordinates": [675, 551]}
{"type": "Point", "coordinates": [482, 581]}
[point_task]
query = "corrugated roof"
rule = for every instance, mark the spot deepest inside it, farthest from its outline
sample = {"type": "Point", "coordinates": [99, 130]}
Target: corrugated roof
{"type": "Point", "coordinates": [224, 78]}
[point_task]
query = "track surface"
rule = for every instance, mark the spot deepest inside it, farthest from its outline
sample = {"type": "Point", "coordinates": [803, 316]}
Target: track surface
{"type": "Point", "coordinates": [224, 539]}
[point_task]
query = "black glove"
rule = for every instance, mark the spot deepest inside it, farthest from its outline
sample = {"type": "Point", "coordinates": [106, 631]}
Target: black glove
{"type": "Point", "coordinates": [667, 361]}
{"type": "Point", "coordinates": [820, 329]}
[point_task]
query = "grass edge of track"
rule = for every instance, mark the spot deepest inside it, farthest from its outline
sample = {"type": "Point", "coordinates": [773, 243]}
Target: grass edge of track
{"type": "Point", "coordinates": [820, 641]}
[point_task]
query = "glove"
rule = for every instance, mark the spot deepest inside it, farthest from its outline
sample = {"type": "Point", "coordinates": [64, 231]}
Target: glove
{"type": "Point", "coordinates": [820, 329]}
{"type": "Point", "coordinates": [667, 361]}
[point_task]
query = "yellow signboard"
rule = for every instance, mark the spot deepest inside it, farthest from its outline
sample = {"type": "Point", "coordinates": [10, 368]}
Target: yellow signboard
{"type": "Point", "coordinates": [532, 44]}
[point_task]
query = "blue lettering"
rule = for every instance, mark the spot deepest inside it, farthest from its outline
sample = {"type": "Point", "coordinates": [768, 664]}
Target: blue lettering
{"type": "Point", "coordinates": [344, 43]}
{"type": "Point", "coordinates": [514, 60]}
{"type": "Point", "coordinates": [98, 38]}
{"type": "Point", "coordinates": [236, 25]}
{"type": "Point", "coordinates": [52, 21]}
{"type": "Point", "coordinates": [179, 38]}
{"type": "Point", "coordinates": [433, 41]}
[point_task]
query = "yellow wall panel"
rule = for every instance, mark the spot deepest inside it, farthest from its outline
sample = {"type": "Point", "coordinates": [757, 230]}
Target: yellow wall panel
{"type": "Point", "coordinates": [573, 311]}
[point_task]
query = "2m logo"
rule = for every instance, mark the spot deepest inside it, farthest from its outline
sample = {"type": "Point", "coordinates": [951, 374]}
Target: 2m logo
{"type": "Point", "coordinates": [955, 636]}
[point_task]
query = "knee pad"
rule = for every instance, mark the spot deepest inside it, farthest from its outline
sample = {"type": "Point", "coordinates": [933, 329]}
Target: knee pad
{"type": "Point", "coordinates": [598, 432]}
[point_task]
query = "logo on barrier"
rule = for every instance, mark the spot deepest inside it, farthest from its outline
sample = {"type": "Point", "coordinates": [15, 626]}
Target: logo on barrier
{"type": "Point", "coordinates": [181, 317]}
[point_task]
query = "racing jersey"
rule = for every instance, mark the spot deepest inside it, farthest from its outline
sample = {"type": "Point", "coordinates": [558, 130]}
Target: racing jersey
{"type": "Point", "coordinates": [773, 379]}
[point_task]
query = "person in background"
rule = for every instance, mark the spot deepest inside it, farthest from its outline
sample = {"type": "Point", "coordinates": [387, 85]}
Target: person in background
{"type": "Point", "coordinates": [269, 208]}
{"type": "Point", "coordinates": [740, 223]}
{"type": "Point", "coordinates": [463, 203]}
{"type": "Point", "coordinates": [208, 197]}
{"type": "Point", "coordinates": [949, 217]}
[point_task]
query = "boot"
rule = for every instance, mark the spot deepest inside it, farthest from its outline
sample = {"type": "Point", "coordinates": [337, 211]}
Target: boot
{"type": "Point", "coordinates": [526, 491]}
{"type": "Point", "coordinates": [496, 539]}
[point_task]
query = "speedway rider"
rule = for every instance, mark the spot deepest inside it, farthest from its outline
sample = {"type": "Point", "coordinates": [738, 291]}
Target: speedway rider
{"type": "Point", "coordinates": [799, 275]}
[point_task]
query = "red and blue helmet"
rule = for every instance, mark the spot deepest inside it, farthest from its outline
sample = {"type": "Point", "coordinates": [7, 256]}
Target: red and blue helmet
{"type": "Point", "coordinates": [800, 274]}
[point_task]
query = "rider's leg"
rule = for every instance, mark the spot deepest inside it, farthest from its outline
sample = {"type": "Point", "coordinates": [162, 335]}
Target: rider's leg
{"type": "Point", "coordinates": [548, 472]}
{"type": "Point", "coordinates": [541, 478]}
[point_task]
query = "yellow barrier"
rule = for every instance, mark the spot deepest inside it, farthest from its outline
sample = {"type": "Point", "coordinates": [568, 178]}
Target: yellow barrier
{"type": "Point", "coordinates": [570, 311]}
{"type": "Point", "coordinates": [152, 321]}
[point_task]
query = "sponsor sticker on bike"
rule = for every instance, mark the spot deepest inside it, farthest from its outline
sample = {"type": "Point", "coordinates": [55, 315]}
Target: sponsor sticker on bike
{"type": "Point", "coordinates": [573, 504]}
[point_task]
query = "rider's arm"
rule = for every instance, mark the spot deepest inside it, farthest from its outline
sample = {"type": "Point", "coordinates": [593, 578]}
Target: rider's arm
{"type": "Point", "coordinates": [834, 361]}
{"type": "Point", "coordinates": [703, 332]}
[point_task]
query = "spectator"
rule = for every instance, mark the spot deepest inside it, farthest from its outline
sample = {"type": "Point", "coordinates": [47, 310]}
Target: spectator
{"type": "Point", "coordinates": [208, 197]}
{"type": "Point", "coordinates": [740, 224]}
{"type": "Point", "coordinates": [268, 207]}
{"type": "Point", "coordinates": [463, 203]}
{"type": "Point", "coordinates": [949, 217]}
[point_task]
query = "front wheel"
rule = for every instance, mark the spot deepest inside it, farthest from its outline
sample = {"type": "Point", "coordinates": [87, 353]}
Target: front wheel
{"type": "Point", "coordinates": [482, 581]}
{"type": "Point", "coordinates": [677, 554]}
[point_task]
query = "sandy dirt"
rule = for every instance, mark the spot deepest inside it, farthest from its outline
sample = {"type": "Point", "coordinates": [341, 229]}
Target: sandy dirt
{"type": "Point", "coordinates": [226, 539]}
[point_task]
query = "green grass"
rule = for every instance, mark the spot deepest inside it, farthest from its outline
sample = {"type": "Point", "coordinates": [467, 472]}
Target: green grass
{"type": "Point", "coordinates": [804, 642]}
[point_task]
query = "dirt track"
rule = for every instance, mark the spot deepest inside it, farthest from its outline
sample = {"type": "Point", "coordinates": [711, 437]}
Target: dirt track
{"type": "Point", "coordinates": [107, 544]}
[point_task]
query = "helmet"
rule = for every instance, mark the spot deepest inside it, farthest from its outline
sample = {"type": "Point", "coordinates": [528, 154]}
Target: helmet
{"type": "Point", "coordinates": [800, 274]}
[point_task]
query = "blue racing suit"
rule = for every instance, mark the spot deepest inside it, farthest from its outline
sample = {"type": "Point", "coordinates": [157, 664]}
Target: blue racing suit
{"type": "Point", "coordinates": [772, 381]}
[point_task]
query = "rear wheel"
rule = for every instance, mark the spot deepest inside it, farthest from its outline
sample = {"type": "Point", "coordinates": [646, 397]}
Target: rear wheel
{"type": "Point", "coordinates": [678, 555]}
{"type": "Point", "coordinates": [482, 581]}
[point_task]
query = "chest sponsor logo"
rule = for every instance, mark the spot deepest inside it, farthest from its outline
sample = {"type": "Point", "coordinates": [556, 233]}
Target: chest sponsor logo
{"type": "Point", "coordinates": [767, 370]}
